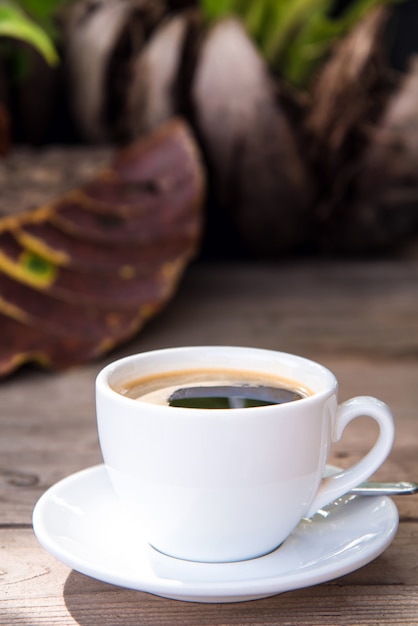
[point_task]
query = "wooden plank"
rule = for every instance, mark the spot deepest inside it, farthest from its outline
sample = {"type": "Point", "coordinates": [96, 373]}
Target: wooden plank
{"type": "Point", "coordinates": [36, 589]}
{"type": "Point", "coordinates": [308, 308]}
{"type": "Point", "coordinates": [49, 429]}
{"type": "Point", "coordinates": [48, 420]}
{"type": "Point", "coordinates": [359, 320]}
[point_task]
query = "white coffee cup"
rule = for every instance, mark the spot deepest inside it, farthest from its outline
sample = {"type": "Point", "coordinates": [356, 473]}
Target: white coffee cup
{"type": "Point", "coordinates": [228, 484]}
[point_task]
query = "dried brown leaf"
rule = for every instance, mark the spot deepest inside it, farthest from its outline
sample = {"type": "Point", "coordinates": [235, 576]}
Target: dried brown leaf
{"type": "Point", "coordinates": [87, 271]}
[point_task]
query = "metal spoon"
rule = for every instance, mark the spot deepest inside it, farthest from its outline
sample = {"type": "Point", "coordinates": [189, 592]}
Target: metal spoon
{"type": "Point", "coordinates": [385, 489]}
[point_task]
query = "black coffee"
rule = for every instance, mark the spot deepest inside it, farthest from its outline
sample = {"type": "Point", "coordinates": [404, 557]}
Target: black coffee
{"type": "Point", "coordinates": [214, 389]}
{"type": "Point", "coordinates": [231, 396]}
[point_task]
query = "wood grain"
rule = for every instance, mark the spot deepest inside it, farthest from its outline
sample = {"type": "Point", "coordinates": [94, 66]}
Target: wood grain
{"type": "Point", "coordinates": [359, 319]}
{"type": "Point", "coordinates": [38, 590]}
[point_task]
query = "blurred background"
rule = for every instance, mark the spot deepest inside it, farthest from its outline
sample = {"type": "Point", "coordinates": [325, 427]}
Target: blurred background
{"type": "Point", "coordinates": [281, 176]}
{"type": "Point", "coordinates": [296, 137]}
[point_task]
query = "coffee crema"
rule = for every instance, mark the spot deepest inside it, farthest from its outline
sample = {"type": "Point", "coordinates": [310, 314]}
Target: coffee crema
{"type": "Point", "coordinates": [213, 389]}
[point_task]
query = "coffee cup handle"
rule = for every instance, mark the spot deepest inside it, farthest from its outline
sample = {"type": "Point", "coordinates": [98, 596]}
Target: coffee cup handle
{"type": "Point", "coordinates": [336, 485]}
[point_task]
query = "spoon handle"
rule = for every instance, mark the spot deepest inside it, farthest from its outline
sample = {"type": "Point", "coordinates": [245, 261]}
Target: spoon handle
{"type": "Point", "coordinates": [388, 489]}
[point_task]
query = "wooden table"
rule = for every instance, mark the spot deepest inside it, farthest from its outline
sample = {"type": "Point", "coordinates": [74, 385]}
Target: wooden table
{"type": "Point", "coordinates": [358, 318]}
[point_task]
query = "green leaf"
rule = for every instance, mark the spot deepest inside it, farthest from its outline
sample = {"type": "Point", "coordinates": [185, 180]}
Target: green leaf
{"type": "Point", "coordinates": [293, 35]}
{"type": "Point", "coordinates": [216, 9]}
{"type": "Point", "coordinates": [16, 24]}
{"type": "Point", "coordinates": [314, 38]}
{"type": "Point", "coordinates": [43, 12]}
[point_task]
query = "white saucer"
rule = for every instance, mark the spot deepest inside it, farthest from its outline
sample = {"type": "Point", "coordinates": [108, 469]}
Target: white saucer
{"type": "Point", "coordinates": [79, 522]}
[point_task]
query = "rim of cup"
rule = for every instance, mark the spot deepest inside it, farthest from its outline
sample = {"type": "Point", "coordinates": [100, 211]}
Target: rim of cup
{"type": "Point", "coordinates": [123, 370]}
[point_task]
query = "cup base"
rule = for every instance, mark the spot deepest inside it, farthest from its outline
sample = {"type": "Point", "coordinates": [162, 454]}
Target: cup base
{"type": "Point", "coordinates": [216, 561]}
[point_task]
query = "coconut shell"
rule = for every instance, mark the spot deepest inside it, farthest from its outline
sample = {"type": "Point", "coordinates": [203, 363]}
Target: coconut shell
{"type": "Point", "coordinates": [152, 91]}
{"type": "Point", "coordinates": [349, 91]}
{"type": "Point", "coordinates": [99, 41]}
{"type": "Point", "coordinates": [54, 279]}
{"type": "Point", "coordinates": [258, 173]}
{"type": "Point", "coordinates": [379, 211]}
